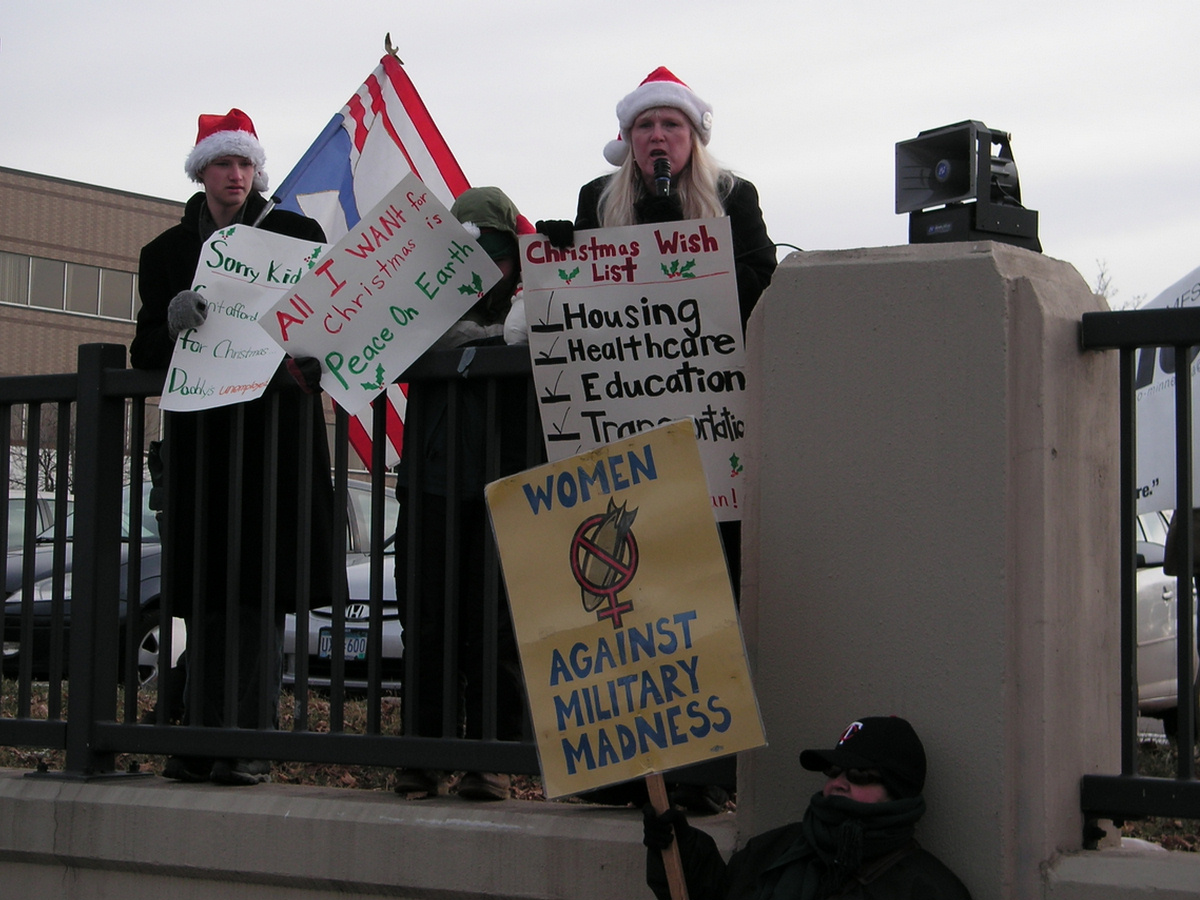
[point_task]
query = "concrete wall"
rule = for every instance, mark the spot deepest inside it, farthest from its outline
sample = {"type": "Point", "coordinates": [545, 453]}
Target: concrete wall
{"type": "Point", "coordinates": [150, 838]}
{"type": "Point", "coordinates": [936, 538]}
{"type": "Point", "coordinates": [932, 534]}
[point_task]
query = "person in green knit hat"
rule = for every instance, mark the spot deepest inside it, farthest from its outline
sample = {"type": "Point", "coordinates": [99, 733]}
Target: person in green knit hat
{"type": "Point", "coordinates": [450, 488]}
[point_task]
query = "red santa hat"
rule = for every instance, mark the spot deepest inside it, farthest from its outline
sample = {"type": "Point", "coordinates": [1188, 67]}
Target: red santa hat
{"type": "Point", "coordinates": [229, 135]}
{"type": "Point", "coordinates": [660, 88]}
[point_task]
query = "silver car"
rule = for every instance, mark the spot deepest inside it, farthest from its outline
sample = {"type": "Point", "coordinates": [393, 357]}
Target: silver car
{"type": "Point", "coordinates": [358, 577]}
{"type": "Point", "coordinates": [146, 621]}
{"type": "Point", "coordinates": [1156, 624]}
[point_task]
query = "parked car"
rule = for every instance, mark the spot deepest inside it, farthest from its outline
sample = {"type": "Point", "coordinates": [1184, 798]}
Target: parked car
{"type": "Point", "coordinates": [44, 507]}
{"type": "Point", "coordinates": [147, 620]}
{"type": "Point", "coordinates": [1156, 625]}
{"type": "Point", "coordinates": [358, 618]}
{"type": "Point", "coordinates": [43, 517]}
{"type": "Point", "coordinates": [43, 592]}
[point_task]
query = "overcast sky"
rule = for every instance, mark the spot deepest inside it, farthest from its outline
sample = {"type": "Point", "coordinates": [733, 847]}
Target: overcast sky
{"type": "Point", "coordinates": [809, 100]}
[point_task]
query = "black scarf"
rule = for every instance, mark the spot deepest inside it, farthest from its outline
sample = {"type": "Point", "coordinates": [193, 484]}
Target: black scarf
{"type": "Point", "coordinates": [838, 835]}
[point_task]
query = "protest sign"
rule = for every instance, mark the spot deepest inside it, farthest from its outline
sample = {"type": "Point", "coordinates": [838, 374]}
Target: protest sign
{"type": "Point", "coordinates": [625, 620]}
{"type": "Point", "coordinates": [383, 294]}
{"type": "Point", "coordinates": [228, 359]}
{"type": "Point", "coordinates": [633, 327]}
{"type": "Point", "coordinates": [1154, 383]}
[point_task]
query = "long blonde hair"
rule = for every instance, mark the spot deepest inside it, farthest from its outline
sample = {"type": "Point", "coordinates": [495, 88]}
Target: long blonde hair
{"type": "Point", "coordinates": [702, 187]}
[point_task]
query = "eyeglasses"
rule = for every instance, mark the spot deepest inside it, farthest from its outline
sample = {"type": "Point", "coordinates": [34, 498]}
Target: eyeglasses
{"type": "Point", "coordinates": [858, 777]}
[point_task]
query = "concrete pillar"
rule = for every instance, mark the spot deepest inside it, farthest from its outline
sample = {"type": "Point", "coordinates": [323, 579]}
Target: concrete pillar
{"type": "Point", "coordinates": [937, 528]}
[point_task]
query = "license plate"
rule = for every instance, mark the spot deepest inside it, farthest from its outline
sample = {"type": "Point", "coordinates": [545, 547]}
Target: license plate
{"type": "Point", "coordinates": [356, 643]}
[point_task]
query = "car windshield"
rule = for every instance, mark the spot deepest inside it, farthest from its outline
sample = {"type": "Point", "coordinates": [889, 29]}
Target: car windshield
{"type": "Point", "coordinates": [359, 497]}
{"type": "Point", "coordinates": [1153, 527]}
{"type": "Point", "coordinates": [16, 521]}
{"type": "Point", "coordinates": [149, 519]}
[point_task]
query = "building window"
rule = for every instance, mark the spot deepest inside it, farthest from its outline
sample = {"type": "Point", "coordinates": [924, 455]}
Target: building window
{"type": "Point", "coordinates": [83, 289]}
{"type": "Point", "coordinates": [73, 287]}
{"type": "Point", "coordinates": [46, 283]}
{"type": "Point", "coordinates": [14, 278]}
{"type": "Point", "coordinates": [116, 294]}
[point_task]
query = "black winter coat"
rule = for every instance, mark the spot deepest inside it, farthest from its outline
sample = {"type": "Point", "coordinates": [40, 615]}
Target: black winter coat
{"type": "Point", "coordinates": [197, 450]}
{"type": "Point", "coordinates": [753, 250]}
{"type": "Point", "coordinates": [910, 873]}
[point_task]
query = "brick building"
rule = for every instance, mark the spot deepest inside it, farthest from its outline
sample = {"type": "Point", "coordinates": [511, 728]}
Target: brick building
{"type": "Point", "coordinates": [68, 267]}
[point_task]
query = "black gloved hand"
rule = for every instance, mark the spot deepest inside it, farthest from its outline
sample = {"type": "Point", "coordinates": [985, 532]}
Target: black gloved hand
{"type": "Point", "coordinates": [306, 371]}
{"type": "Point", "coordinates": [559, 232]}
{"type": "Point", "coordinates": [187, 309]}
{"type": "Point", "coordinates": [659, 830]}
{"type": "Point", "coordinates": [653, 209]}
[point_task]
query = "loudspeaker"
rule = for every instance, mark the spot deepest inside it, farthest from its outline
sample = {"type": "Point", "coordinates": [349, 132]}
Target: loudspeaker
{"type": "Point", "coordinates": [956, 187]}
{"type": "Point", "coordinates": [938, 167]}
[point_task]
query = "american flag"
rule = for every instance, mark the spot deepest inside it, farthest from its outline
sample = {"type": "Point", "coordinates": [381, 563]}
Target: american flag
{"type": "Point", "coordinates": [382, 133]}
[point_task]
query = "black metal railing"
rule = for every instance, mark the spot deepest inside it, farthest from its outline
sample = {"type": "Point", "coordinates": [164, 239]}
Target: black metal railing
{"type": "Point", "coordinates": [1141, 337]}
{"type": "Point", "coordinates": [104, 419]}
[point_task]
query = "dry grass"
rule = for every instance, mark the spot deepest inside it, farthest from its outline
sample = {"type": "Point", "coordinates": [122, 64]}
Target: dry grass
{"type": "Point", "coordinates": [1162, 761]}
{"type": "Point", "coordinates": [1153, 759]}
{"type": "Point", "coordinates": [370, 778]}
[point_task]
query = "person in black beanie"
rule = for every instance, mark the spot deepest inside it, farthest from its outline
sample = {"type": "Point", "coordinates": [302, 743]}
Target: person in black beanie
{"type": "Point", "coordinates": [855, 840]}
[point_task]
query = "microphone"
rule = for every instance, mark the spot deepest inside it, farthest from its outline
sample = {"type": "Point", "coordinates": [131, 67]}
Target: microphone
{"type": "Point", "coordinates": [662, 177]}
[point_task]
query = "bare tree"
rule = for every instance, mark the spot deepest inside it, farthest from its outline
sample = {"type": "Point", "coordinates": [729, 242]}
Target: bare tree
{"type": "Point", "coordinates": [43, 466]}
{"type": "Point", "coordinates": [1105, 288]}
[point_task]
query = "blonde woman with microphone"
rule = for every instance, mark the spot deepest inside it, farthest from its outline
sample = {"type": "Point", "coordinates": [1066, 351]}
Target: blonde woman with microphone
{"type": "Point", "coordinates": [666, 174]}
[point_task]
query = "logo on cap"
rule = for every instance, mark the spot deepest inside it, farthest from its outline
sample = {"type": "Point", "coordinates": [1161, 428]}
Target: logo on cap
{"type": "Point", "coordinates": [853, 729]}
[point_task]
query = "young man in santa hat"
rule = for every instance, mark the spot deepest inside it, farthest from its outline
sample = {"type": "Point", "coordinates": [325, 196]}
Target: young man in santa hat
{"type": "Point", "coordinates": [210, 538]}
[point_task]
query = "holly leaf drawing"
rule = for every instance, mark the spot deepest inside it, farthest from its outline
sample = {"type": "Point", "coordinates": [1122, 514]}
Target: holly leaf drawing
{"type": "Point", "coordinates": [378, 385]}
{"type": "Point", "coordinates": [474, 286]}
{"type": "Point", "coordinates": [678, 271]}
{"type": "Point", "coordinates": [568, 276]}
{"type": "Point", "coordinates": [311, 259]}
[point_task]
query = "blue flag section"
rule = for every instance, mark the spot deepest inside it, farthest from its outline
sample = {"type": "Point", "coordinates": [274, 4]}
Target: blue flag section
{"type": "Point", "coordinates": [323, 172]}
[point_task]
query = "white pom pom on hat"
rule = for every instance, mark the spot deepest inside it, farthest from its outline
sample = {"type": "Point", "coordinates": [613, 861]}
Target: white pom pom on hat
{"type": "Point", "coordinates": [660, 88]}
{"type": "Point", "coordinates": [616, 150]}
{"type": "Point", "coordinates": [232, 134]}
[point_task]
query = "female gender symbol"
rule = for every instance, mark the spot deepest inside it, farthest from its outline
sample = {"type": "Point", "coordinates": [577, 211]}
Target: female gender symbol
{"type": "Point", "coordinates": [602, 571]}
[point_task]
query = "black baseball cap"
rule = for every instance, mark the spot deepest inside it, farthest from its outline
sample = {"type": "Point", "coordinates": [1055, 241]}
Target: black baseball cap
{"type": "Point", "coordinates": [888, 744]}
